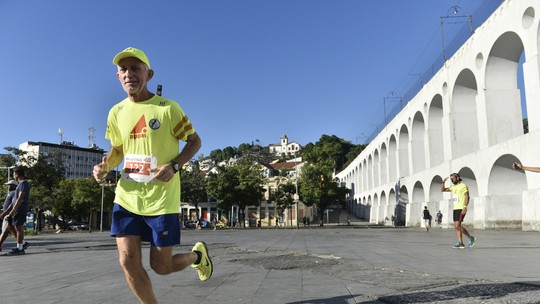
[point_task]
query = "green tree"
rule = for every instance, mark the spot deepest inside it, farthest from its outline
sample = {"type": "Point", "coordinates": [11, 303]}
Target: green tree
{"type": "Point", "coordinates": [331, 148]}
{"type": "Point", "coordinates": [86, 197]}
{"type": "Point", "coordinates": [240, 184]}
{"type": "Point", "coordinates": [193, 188]}
{"type": "Point", "coordinates": [282, 197]}
{"type": "Point", "coordinates": [318, 187]}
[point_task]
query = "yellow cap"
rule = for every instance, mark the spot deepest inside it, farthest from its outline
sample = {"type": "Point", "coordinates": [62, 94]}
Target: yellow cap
{"type": "Point", "coordinates": [131, 52]}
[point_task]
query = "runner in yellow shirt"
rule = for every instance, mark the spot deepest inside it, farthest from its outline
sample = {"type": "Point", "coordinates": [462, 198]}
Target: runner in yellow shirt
{"type": "Point", "coordinates": [461, 202]}
{"type": "Point", "coordinates": [144, 130]}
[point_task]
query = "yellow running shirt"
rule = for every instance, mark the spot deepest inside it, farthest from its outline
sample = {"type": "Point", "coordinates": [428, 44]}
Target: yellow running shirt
{"type": "Point", "coordinates": [148, 131]}
{"type": "Point", "coordinates": [459, 191]}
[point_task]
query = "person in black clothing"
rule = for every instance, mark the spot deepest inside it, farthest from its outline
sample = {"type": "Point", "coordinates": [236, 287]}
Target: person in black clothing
{"type": "Point", "coordinates": [427, 218]}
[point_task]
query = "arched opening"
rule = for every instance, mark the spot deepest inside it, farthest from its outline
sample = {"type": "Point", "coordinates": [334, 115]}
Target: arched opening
{"type": "Point", "coordinates": [384, 217]}
{"type": "Point", "coordinates": [370, 173]}
{"type": "Point", "coordinates": [376, 162]}
{"type": "Point", "coordinates": [463, 115]}
{"type": "Point", "coordinates": [435, 133]}
{"type": "Point", "coordinates": [376, 216]}
{"type": "Point", "coordinates": [417, 143]}
{"type": "Point", "coordinates": [383, 168]}
{"type": "Point", "coordinates": [367, 213]}
{"type": "Point", "coordinates": [391, 206]}
{"type": "Point", "coordinates": [401, 206]}
{"type": "Point", "coordinates": [435, 193]}
{"type": "Point", "coordinates": [392, 159]}
{"type": "Point", "coordinates": [417, 204]}
{"type": "Point", "coordinates": [403, 151]}
{"type": "Point", "coordinates": [504, 208]}
{"type": "Point", "coordinates": [503, 98]}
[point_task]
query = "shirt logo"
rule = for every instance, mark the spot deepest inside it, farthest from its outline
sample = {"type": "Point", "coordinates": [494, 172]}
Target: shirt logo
{"type": "Point", "coordinates": [154, 124]}
{"type": "Point", "coordinates": [139, 131]}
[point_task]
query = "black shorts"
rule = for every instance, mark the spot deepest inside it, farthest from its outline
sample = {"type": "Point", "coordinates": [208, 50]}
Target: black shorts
{"type": "Point", "coordinates": [20, 218]}
{"type": "Point", "coordinates": [458, 217]}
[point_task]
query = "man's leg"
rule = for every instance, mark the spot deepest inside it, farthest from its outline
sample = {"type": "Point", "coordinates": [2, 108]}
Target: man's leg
{"type": "Point", "coordinates": [129, 254]}
{"type": "Point", "coordinates": [164, 262]}
{"type": "Point", "coordinates": [457, 225]}
{"type": "Point", "coordinates": [20, 236]}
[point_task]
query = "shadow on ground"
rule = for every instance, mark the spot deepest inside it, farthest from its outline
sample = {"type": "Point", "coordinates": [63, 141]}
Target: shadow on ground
{"type": "Point", "coordinates": [473, 293]}
{"type": "Point", "coordinates": [332, 300]}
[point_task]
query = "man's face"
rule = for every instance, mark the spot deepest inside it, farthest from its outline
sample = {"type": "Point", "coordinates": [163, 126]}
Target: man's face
{"type": "Point", "coordinates": [454, 179]}
{"type": "Point", "coordinates": [133, 74]}
{"type": "Point", "coordinates": [15, 176]}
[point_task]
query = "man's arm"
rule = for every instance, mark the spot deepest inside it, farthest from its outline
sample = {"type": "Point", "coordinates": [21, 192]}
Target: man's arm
{"type": "Point", "coordinates": [113, 159]}
{"type": "Point", "coordinates": [193, 144]}
{"type": "Point", "coordinates": [466, 203]}
{"type": "Point", "coordinates": [15, 205]}
{"type": "Point", "coordinates": [519, 166]}
{"type": "Point", "coordinates": [443, 188]}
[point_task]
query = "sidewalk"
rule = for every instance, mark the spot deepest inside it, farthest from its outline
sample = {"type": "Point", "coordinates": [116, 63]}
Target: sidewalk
{"type": "Point", "coordinates": [341, 265]}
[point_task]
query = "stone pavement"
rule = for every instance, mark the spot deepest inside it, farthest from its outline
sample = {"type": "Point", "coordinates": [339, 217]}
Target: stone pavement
{"type": "Point", "coordinates": [318, 265]}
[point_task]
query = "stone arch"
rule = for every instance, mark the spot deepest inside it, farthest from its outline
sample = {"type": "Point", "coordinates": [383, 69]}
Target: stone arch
{"type": "Point", "coordinates": [435, 193]}
{"type": "Point", "coordinates": [370, 172]}
{"type": "Point", "coordinates": [383, 168]}
{"type": "Point", "coordinates": [392, 159]}
{"type": "Point", "coordinates": [391, 205]}
{"type": "Point", "coordinates": [376, 163]}
{"type": "Point", "coordinates": [403, 151]}
{"type": "Point", "coordinates": [367, 211]}
{"type": "Point", "coordinates": [418, 148]}
{"type": "Point", "coordinates": [374, 210]}
{"type": "Point", "coordinates": [435, 132]}
{"type": "Point", "coordinates": [384, 217]}
{"type": "Point", "coordinates": [505, 189]}
{"type": "Point", "coordinates": [502, 95]}
{"type": "Point", "coordinates": [418, 201]}
{"type": "Point", "coordinates": [463, 115]}
{"type": "Point", "coordinates": [401, 206]}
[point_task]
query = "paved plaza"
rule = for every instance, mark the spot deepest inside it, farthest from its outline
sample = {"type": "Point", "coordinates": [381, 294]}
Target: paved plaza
{"type": "Point", "coordinates": [317, 265]}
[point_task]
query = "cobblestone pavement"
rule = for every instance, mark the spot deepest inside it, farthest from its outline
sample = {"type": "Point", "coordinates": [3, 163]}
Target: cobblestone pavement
{"type": "Point", "coordinates": [319, 265]}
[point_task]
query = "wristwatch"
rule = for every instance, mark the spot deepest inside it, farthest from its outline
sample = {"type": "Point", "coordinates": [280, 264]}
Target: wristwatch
{"type": "Point", "coordinates": [175, 166]}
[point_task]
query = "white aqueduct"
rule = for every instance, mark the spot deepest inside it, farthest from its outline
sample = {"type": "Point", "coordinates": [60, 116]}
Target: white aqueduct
{"type": "Point", "coordinates": [466, 119]}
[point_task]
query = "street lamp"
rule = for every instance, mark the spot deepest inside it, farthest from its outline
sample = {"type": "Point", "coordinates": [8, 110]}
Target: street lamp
{"type": "Point", "coordinates": [452, 14]}
{"type": "Point", "coordinates": [392, 96]}
{"type": "Point", "coordinates": [103, 185]}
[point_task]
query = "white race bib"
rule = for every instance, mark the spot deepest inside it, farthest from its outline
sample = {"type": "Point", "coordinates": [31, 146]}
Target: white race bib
{"type": "Point", "coordinates": [139, 168]}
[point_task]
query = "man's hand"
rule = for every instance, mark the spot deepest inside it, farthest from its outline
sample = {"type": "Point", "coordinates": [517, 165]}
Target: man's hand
{"type": "Point", "coordinates": [445, 179]}
{"type": "Point", "coordinates": [464, 210]}
{"type": "Point", "coordinates": [164, 173]}
{"type": "Point", "coordinates": [101, 170]}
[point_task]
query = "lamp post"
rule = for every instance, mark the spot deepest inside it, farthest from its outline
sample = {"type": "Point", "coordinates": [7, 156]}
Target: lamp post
{"type": "Point", "coordinates": [8, 171]}
{"type": "Point", "coordinates": [391, 96]}
{"type": "Point", "coordinates": [296, 196]}
{"type": "Point", "coordinates": [103, 185]}
{"type": "Point", "coordinates": [452, 14]}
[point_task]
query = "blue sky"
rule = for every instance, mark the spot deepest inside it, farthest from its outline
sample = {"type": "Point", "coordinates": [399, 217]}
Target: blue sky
{"type": "Point", "coordinates": [242, 70]}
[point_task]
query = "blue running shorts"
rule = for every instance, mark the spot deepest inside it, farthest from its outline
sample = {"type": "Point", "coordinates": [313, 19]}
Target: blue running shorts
{"type": "Point", "coordinates": [160, 230]}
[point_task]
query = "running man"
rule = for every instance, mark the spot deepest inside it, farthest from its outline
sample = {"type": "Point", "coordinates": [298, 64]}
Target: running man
{"type": "Point", "coordinates": [144, 130]}
{"type": "Point", "coordinates": [461, 202]}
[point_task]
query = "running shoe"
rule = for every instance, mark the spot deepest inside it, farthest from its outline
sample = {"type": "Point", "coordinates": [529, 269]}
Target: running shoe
{"type": "Point", "coordinates": [205, 267]}
{"type": "Point", "coordinates": [459, 245]}
{"type": "Point", "coordinates": [472, 240]}
{"type": "Point", "coordinates": [16, 251]}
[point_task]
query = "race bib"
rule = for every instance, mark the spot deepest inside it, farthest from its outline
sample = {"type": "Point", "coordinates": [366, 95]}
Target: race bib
{"type": "Point", "coordinates": [139, 168]}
